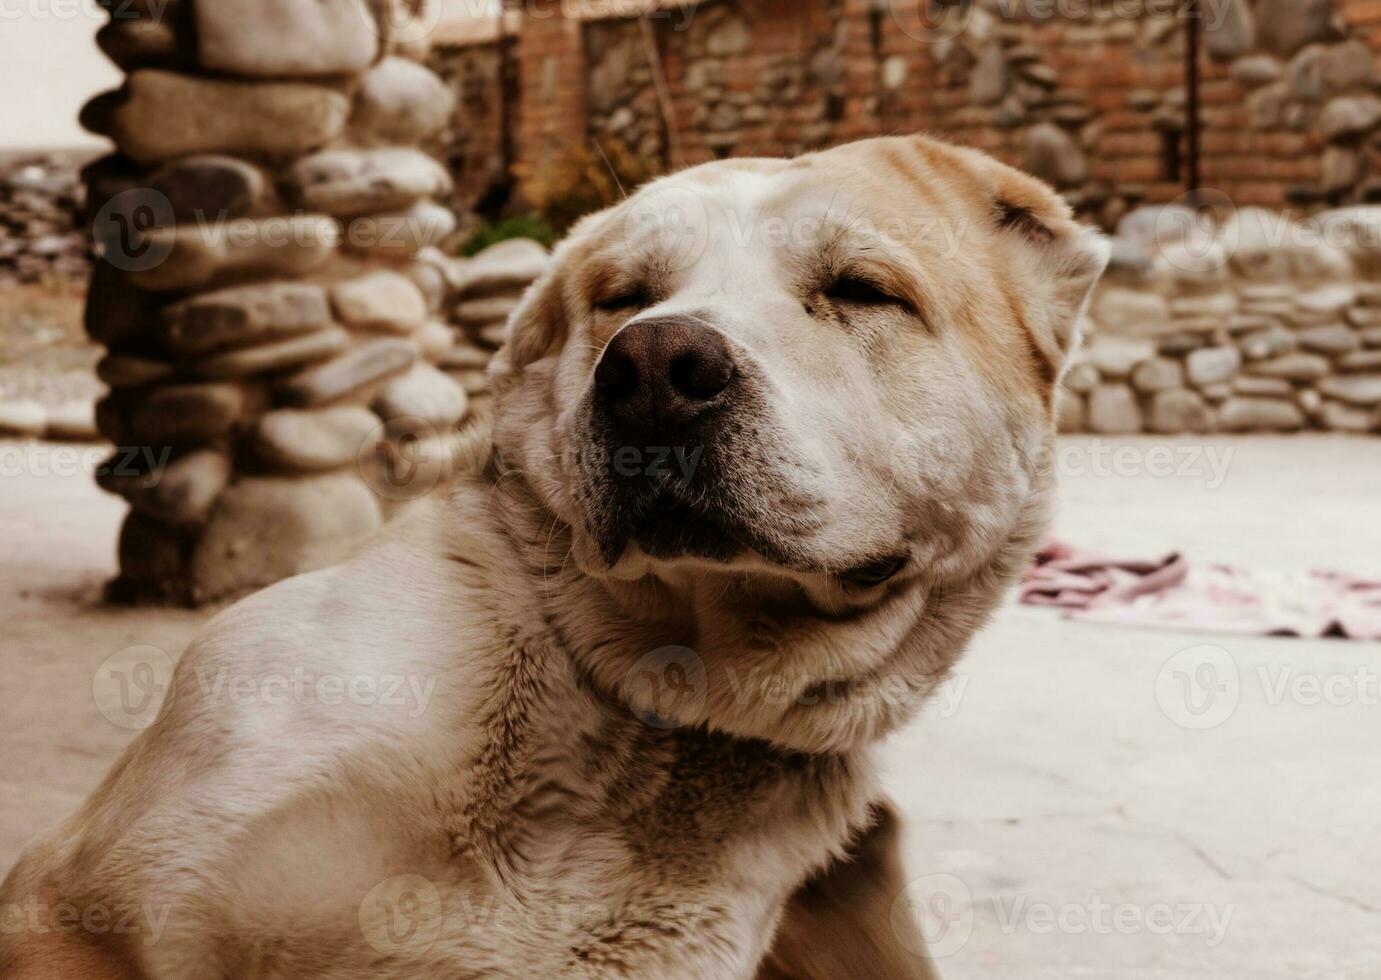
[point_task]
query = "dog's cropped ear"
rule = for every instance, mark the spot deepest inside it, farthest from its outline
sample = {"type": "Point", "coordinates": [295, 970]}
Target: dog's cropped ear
{"type": "Point", "coordinates": [1060, 260]}
{"type": "Point", "coordinates": [1039, 230]}
{"type": "Point", "coordinates": [1066, 255]}
{"type": "Point", "coordinates": [535, 328]}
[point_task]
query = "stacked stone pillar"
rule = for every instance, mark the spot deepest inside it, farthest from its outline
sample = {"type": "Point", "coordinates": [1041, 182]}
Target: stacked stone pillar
{"type": "Point", "coordinates": [270, 291]}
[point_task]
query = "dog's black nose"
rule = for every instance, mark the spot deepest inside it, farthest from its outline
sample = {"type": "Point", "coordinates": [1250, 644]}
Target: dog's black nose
{"type": "Point", "coordinates": [658, 375]}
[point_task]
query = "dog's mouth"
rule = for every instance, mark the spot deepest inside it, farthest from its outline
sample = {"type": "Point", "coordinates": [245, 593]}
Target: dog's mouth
{"type": "Point", "coordinates": [668, 528]}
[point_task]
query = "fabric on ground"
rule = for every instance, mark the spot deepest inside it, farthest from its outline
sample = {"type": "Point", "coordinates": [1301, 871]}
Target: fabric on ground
{"type": "Point", "coordinates": [1174, 593]}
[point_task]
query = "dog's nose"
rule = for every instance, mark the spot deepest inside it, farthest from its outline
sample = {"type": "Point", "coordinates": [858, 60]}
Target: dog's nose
{"type": "Point", "coordinates": [662, 373]}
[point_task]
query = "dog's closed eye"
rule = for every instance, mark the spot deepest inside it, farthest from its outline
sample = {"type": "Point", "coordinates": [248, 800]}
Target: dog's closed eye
{"type": "Point", "coordinates": [854, 289]}
{"type": "Point", "coordinates": [633, 298]}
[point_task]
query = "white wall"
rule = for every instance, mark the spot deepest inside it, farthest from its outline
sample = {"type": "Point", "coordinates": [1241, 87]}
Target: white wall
{"type": "Point", "coordinates": [49, 66]}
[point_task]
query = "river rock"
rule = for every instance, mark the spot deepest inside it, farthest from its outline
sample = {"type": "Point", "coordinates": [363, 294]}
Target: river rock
{"type": "Point", "coordinates": [1356, 229]}
{"type": "Point", "coordinates": [72, 421]}
{"type": "Point", "coordinates": [507, 266]}
{"type": "Point", "coordinates": [1211, 365]}
{"type": "Point", "coordinates": [489, 309]}
{"type": "Point", "coordinates": [1052, 155]}
{"type": "Point", "coordinates": [353, 370]}
{"type": "Point", "coordinates": [1285, 26]}
{"type": "Point", "coordinates": [1178, 410]}
{"type": "Point", "coordinates": [22, 417]}
{"type": "Point", "coordinates": [1079, 378]}
{"type": "Point", "coordinates": [116, 310]}
{"type": "Point", "coordinates": [399, 101]}
{"type": "Point", "coordinates": [1271, 342]}
{"type": "Point", "coordinates": [286, 37]}
{"type": "Point", "coordinates": [245, 314]}
{"type": "Point", "coordinates": [211, 187]}
{"type": "Point", "coordinates": [1362, 360]}
{"type": "Point", "coordinates": [165, 115]}
{"type": "Point", "coordinates": [1113, 410]}
{"type": "Point", "coordinates": [1299, 367]}
{"type": "Point", "coordinates": [1367, 320]}
{"type": "Point", "coordinates": [435, 340]}
{"type": "Point", "coordinates": [151, 556]}
{"type": "Point", "coordinates": [1256, 70]}
{"type": "Point", "coordinates": [140, 43]}
{"type": "Point", "coordinates": [181, 493]}
{"type": "Point", "coordinates": [323, 439]}
{"type": "Point", "coordinates": [1338, 417]}
{"type": "Point", "coordinates": [381, 300]}
{"type": "Point", "coordinates": [1135, 311]}
{"type": "Point", "coordinates": [1332, 339]}
{"type": "Point", "coordinates": [988, 82]}
{"type": "Point", "coordinates": [428, 274]}
{"type": "Point", "coordinates": [354, 182]}
{"type": "Point", "coordinates": [276, 356]}
{"type": "Point", "coordinates": [423, 398]}
{"type": "Point", "coordinates": [1267, 246]}
{"type": "Point", "coordinates": [1231, 30]}
{"type": "Point", "coordinates": [127, 371]}
{"type": "Point", "coordinates": [1350, 116]}
{"type": "Point", "coordinates": [188, 413]}
{"type": "Point", "coordinates": [1212, 306]}
{"type": "Point", "coordinates": [1157, 374]}
{"type": "Point", "coordinates": [199, 254]}
{"type": "Point", "coordinates": [1260, 415]}
{"type": "Point", "coordinates": [1354, 389]}
{"type": "Point", "coordinates": [1115, 356]}
{"type": "Point", "coordinates": [401, 234]}
{"type": "Point", "coordinates": [263, 529]}
{"type": "Point", "coordinates": [1245, 384]}
{"type": "Point", "coordinates": [1328, 300]}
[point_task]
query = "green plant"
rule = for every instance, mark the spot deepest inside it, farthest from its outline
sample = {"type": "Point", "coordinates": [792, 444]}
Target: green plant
{"type": "Point", "coordinates": [532, 226]}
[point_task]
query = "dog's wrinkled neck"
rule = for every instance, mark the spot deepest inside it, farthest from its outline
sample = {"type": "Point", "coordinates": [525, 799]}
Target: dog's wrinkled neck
{"type": "Point", "coordinates": [711, 656]}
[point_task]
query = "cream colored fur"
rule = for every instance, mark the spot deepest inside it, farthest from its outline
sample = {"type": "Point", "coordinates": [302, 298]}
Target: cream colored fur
{"type": "Point", "coordinates": [555, 807]}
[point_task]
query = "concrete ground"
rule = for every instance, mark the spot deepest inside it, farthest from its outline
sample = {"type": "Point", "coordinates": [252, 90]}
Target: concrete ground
{"type": "Point", "coordinates": [1078, 803]}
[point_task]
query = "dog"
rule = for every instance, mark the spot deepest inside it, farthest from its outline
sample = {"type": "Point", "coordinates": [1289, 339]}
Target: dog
{"type": "Point", "coordinates": [771, 439]}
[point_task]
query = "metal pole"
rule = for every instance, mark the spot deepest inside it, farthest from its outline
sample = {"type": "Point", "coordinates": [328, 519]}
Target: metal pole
{"type": "Point", "coordinates": [1191, 81]}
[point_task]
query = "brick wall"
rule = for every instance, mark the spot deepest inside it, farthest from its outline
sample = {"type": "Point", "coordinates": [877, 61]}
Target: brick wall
{"type": "Point", "coordinates": [550, 108]}
{"type": "Point", "coordinates": [1087, 93]}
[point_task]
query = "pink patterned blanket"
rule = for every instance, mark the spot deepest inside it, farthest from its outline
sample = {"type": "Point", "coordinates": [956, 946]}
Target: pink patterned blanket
{"type": "Point", "coordinates": [1173, 593]}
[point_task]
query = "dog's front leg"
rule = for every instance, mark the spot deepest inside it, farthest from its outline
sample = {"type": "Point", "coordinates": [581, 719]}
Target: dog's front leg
{"type": "Point", "coordinates": [839, 925]}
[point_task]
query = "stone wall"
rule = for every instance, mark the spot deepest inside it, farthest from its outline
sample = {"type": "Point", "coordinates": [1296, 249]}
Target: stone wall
{"type": "Point", "coordinates": [475, 145]}
{"type": "Point", "coordinates": [1254, 324]}
{"type": "Point", "coordinates": [1087, 93]}
{"type": "Point", "coordinates": [282, 375]}
{"type": "Point", "coordinates": [41, 234]}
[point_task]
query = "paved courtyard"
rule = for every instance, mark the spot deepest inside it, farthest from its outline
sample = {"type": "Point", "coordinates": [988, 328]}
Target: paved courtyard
{"type": "Point", "coordinates": [1076, 807]}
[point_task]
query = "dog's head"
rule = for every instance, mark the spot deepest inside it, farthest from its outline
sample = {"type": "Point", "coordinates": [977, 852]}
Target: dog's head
{"type": "Point", "coordinates": [831, 377]}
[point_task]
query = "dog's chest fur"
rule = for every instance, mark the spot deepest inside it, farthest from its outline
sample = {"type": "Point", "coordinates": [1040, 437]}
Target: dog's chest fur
{"type": "Point", "coordinates": [571, 839]}
{"type": "Point", "coordinates": [596, 839]}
